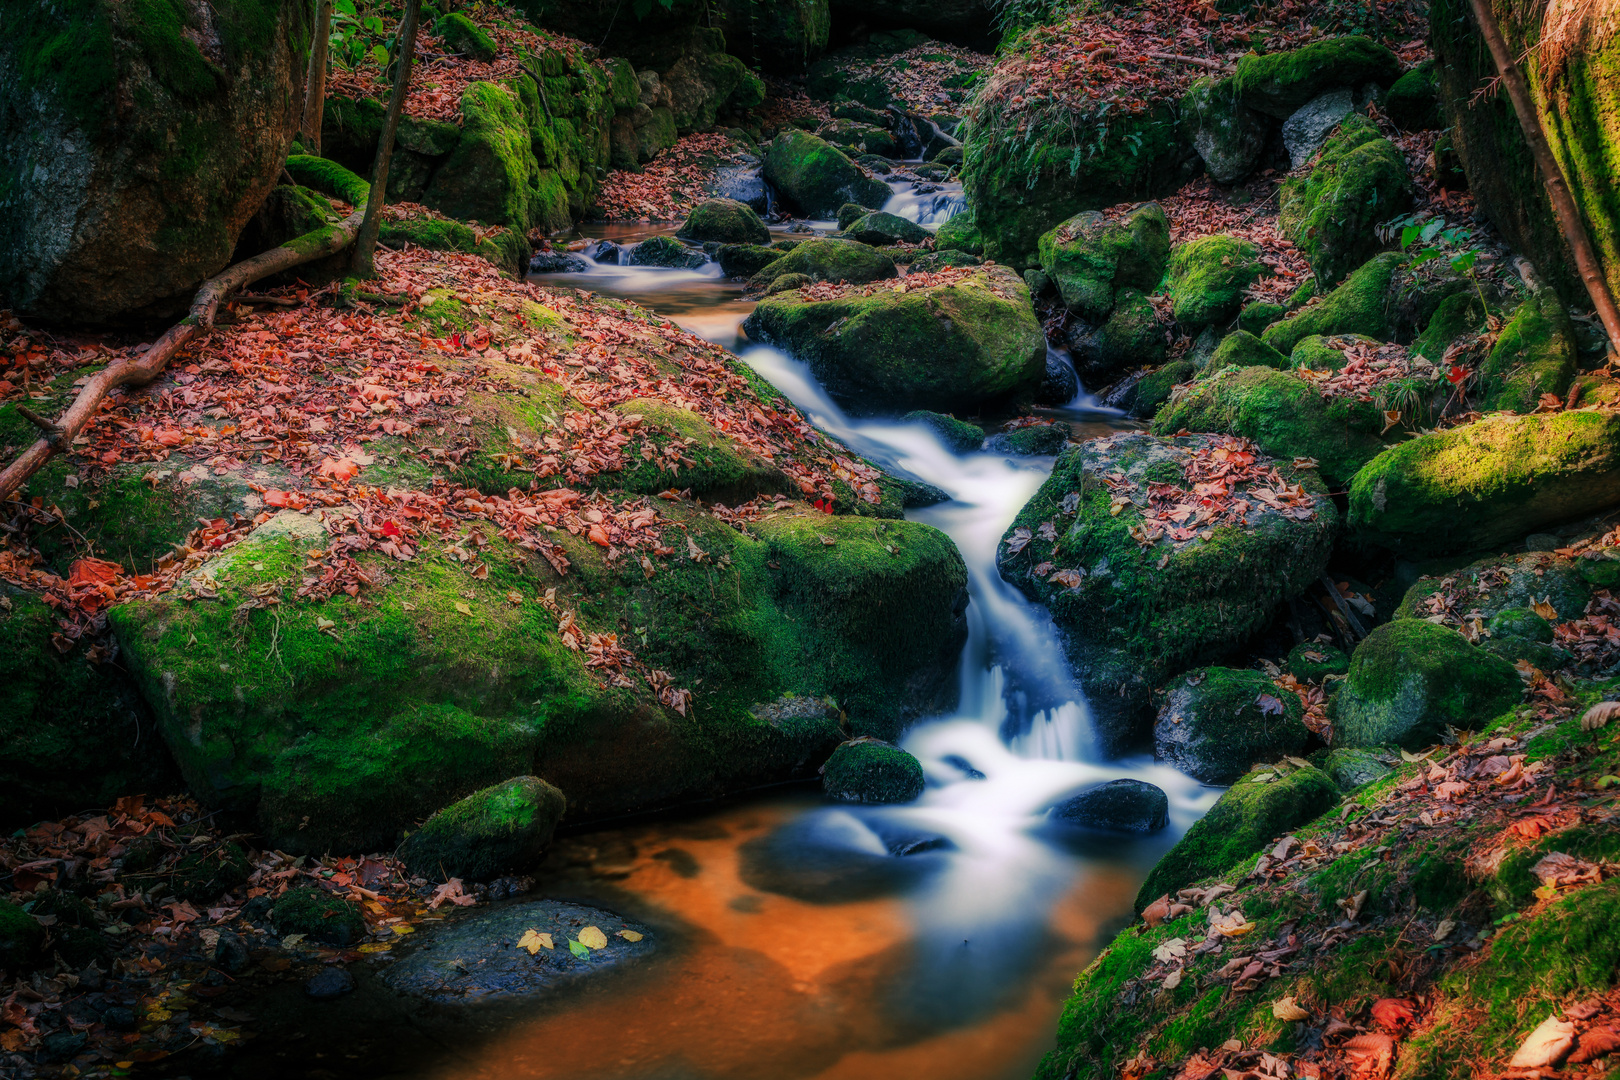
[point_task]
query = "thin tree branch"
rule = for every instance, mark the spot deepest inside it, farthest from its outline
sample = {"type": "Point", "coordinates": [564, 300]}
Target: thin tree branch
{"type": "Point", "coordinates": [365, 244]}
{"type": "Point", "coordinates": [315, 86]}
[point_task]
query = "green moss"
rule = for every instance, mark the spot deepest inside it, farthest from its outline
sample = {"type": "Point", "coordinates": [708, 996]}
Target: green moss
{"type": "Point", "coordinates": [493, 176]}
{"type": "Point", "coordinates": [958, 436]}
{"type": "Point", "coordinates": [970, 344]}
{"type": "Point", "coordinates": [1413, 101]}
{"type": "Point", "coordinates": [1248, 816]}
{"type": "Point", "coordinates": [1089, 257]}
{"type": "Point", "coordinates": [460, 34]}
{"type": "Point", "coordinates": [1242, 349]}
{"type": "Point", "coordinates": [718, 469]}
{"type": "Point", "coordinates": [502, 247]}
{"type": "Point", "coordinates": [1283, 414]}
{"type": "Point", "coordinates": [1208, 278]}
{"type": "Point", "coordinates": [1255, 317]}
{"type": "Point", "coordinates": [20, 937]}
{"type": "Point", "coordinates": [1534, 355]}
{"type": "Point", "coordinates": [1359, 306]}
{"type": "Point", "coordinates": [204, 876]}
{"type": "Point", "coordinates": [1279, 83]}
{"type": "Point", "coordinates": [745, 260]}
{"type": "Point", "coordinates": [1156, 387]}
{"type": "Point", "coordinates": [1411, 679]}
{"type": "Point", "coordinates": [1312, 661]}
{"type": "Point", "coordinates": [872, 772]}
{"type": "Point", "coordinates": [1521, 622]}
{"type": "Point", "coordinates": [1484, 484]}
{"type": "Point", "coordinates": [319, 915]}
{"type": "Point", "coordinates": [726, 221]}
{"type": "Point", "coordinates": [1352, 769]}
{"type": "Point", "coordinates": [1132, 336]}
{"type": "Point", "coordinates": [1358, 181]}
{"type": "Point", "coordinates": [329, 177]}
{"type": "Point", "coordinates": [1457, 316]}
{"type": "Point", "coordinates": [879, 229]}
{"type": "Point", "coordinates": [959, 233]}
{"type": "Point", "coordinates": [499, 829]}
{"type": "Point", "coordinates": [817, 177]}
{"type": "Point", "coordinates": [827, 260]}
{"type": "Point", "coordinates": [1215, 723]}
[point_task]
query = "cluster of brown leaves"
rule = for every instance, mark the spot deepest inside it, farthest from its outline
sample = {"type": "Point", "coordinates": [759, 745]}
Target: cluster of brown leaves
{"type": "Point", "coordinates": [1200, 209]}
{"type": "Point", "coordinates": [787, 105]}
{"type": "Point", "coordinates": [439, 78]}
{"type": "Point", "coordinates": [114, 873]}
{"type": "Point", "coordinates": [917, 76]}
{"type": "Point", "coordinates": [830, 290]}
{"type": "Point", "coordinates": [1314, 698]}
{"type": "Point", "coordinates": [669, 185]}
{"type": "Point", "coordinates": [1216, 469]}
{"type": "Point", "coordinates": [1593, 640]}
{"type": "Point", "coordinates": [1367, 366]}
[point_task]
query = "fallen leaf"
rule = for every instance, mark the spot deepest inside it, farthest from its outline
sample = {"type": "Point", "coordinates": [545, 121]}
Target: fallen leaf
{"type": "Point", "coordinates": [592, 937]}
{"type": "Point", "coordinates": [1599, 1042]}
{"type": "Point", "coordinates": [1545, 1046]}
{"type": "Point", "coordinates": [1173, 980]}
{"type": "Point", "coordinates": [1392, 1013]}
{"type": "Point", "coordinates": [1156, 912]}
{"type": "Point", "coordinates": [579, 950]}
{"type": "Point", "coordinates": [1174, 949]}
{"type": "Point", "coordinates": [1599, 715]}
{"type": "Point", "coordinates": [1287, 1009]}
{"type": "Point", "coordinates": [340, 469]}
{"type": "Point", "coordinates": [630, 935]}
{"type": "Point", "coordinates": [463, 608]}
{"type": "Point", "coordinates": [534, 941]}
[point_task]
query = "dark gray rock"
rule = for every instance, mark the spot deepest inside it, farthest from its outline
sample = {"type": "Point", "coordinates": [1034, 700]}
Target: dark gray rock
{"type": "Point", "coordinates": [1120, 805]}
{"type": "Point", "coordinates": [331, 982]}
{"type": "Point", "coordinates": [1308, 128]}
{"type": "Point", "coordinates": [556, 262]}
{"type": "Point", "coordinates": [1060, 384]}
{"type": "Point", "coordinates": [666, 252]}
{"type": "Point", "coordinates": [230, 952]}
{"type": "Point", "coordinates": [743, 183]}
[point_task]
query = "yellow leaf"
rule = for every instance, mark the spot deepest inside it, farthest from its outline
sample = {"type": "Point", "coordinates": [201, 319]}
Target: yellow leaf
{"type": "Point", "coordinates": [1545, 610]}
{"type": "Point", "coordinates": [534, 941]}
{"type": "Point", "coordinates": [629, 935]}
{"type": "Point", "coordinates": [1287, 1009]}
{"type": "Point", "coordinates": [404, 929]}
{"type": "Point", "coordinates": [592, 938]}
{"type": "Point", "coordinates": [323, 623]}
{"type": "Point", "coordinates": [375, 947]}
{"type": "Point", "coordinates": [463, 608]}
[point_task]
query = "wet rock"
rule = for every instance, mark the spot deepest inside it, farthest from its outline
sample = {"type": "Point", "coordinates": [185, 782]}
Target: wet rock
{"type": "Point", "coordinates": [1031, 440]}
{"type": "Point", "coordinates": [1332, 214]}
{"type": "Point", "coordinates": [833, 858]}
{"type": "Point", "coordinates": [1060, 384]}
{"type": "Point", "coordinates": [827, 260]}
{"type": "Point", "coordinates": [817, 177]}
{"type": "Point", "coordinates": [1143, 394]}
{"type": "Point", "coordinates": [850, 213]}
{"type": "Point", "coordinates": [704, 83]}
{"type": "Point", "coordinates": [1505, 587]}
{"type": "Point", "coordinates": [961, 347]}
{"type": "Point", "coordinates": [959, 436]}
{"type": "Point", "coordinates": [1090, 257]}
{"type": "Point", "coordinates": [1216, 722]}
{"type": "Point", "coordinates": [1352, 769]}
{"type": "Point", "coordinates": [501, 828]}
{"type": "Point", "coordinates": [559, 262]}
{"type": "Point", "coordinates": [1229, 136]}
{"type": "Point", "coordinates": [331, 982]}
{"type": "Point", "coordinates": [604, 251]}
{"type": "Point", "coordinates": [666, 252]}
{"type": "Point", "coordinates": [871, 771]}
{"type": "Point", "coordinates": [1133, 806]}
{"type": "Point", "coordinates": [1360, 305]}
{"type": "Point", "coordinates": [744, 184]}
{"type": "Point", "coordinates": [1411, 679]}
{"type": "Point", "coordinates": [62, 1045]}
{"type": "Point", "coordinates": [1308, 128]}
{"type": "Point", "coordinates": [1261, 806]}
{"type": "Point", "coordinates": [880, 228]}
{"type": "Point", "coordinates": [1131, 337]}
{"type": "Point", "coordinates": [745, 260]}
{"type": "Point", "coordinates": [957, 761]}
{"type": "Point", "coordinates": [725, 220]}
{"type": "Point", "coordinates": [478, 958]}
{"type": "Point", "coordinates": [119, 1018]}
{"type": "Point", "coordinates": [959, 233]}
{"type": "Point", "coordinates": [1413, 101]}
{"type": "Point", "coordinates": [230, 952]}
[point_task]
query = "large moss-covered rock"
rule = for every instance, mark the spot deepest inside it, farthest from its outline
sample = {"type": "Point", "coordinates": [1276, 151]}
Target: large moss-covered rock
{"type": "Point", "coordinates": [1208, 277]}
{"type": "Point", "coordinates": [1283, 414]}
{"type": "Point", "coordinates": [880, 228]}
{"type": "Point", "coordinates": [1229, 136]}
{"type": "Point", "coordinates": [1242, 349]}
{"type": "Point", "coordinates": [958, 436]}
{"type": "Point", "coordinates": [461, 35]}
{"type": "Point", "coordinates": [872, 771]}
{"type": "Point", "coordinates": [1145, 609]}
{"type": "Point", "coordinates": [1279, 83]}
{"type": "Point", "coordinates": [136, 142]}
{"type": "Point", "coordinates": [491, 832]}
{"type": "Point", "coordinates": [1019, 189]}
{"type": "Point", "coordinates": [827, 260]}
{"type": "Point", "coordinates": [1258, 808]}
{"type": "Point", "coordinates": [778, 35]}
{"type": "Point", "coordinates": [1089, 257]}
{"type": "Point", "coordinates": [1413, 101]}
{"type": "Point", "coordinates": [1457, 316]}
{"type": "Point", "coordinates": [816, 177]}
{"type": "Point", "coordinates": [1216, 722]}
{"type": "Point", "coordinates": [1131, 337]}
{"type": "Point", "coordinates": [1503, 584]}
{"type": "Point", "coordinates": [319, 915]}
{"type": "Point", "coordinates": [1485, 484]}
{"type": "Point", "coordinates": [725, 221]}
{"type": "Point", "coordinates": [502, 247]}
{"type": "Point", "coordinates": [703, 84]}
{"type": "Point", "coordinates": [1332, 214]}
{"type": "Point", "coordinates": [664, 252]}
{"type": "Point", "coordinates": [1410, 680]}
{"type": "Point", "coordinates": [745, 260]}
{"type": "Point", "coordinates": [1359, 306]}
{"type": "Point", "coordinates": [961, 346]}
{"type": "Point", "coordinates": [493, 176]}
{"type": "Point", "coordinates": [1534, 355]}
{"type": "Point", "coordinates": [959, 233]}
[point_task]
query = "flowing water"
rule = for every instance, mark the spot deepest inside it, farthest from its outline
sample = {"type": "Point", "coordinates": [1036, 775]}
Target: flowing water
{"type": "Point", "coordinates": [797, 941]}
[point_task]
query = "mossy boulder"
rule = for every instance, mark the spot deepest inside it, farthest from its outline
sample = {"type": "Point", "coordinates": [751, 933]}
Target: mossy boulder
{"type": "Point", "coordinates": [1411, 679]}
{"type": "Point", "coordinates": [959, 233]}
{"type": "Point", "coordinates": [1506, 585]}
{"type": "Point", "coordinates": [827, 260]}
{"type": "Point", "coordinates": [1456, 317]}
{"type": "Point", "coordinates": [1325, 355]}
{"type": "Point", "coordinates": [744, 260]}
{"type": "Point", "coordinates": [935, 261]}
{"type": "Point", "coordinates": [1413, 101]}
{"type": "Point", "coordinates": [461, 35]}
{"type": "Point", "coordinates": [325, 175]}
{"type": "Point", "coordinates": [1131, 337]}
{"type": "Point", "coordinates": [1358, 306]}
{"type": "Point", "coordinates": [1208, 278]}
{"type": "Point", "coordinates": [1259, 807]}
{"type": "Point", "coordinates": [1229, 136]}
{"type": "Point", "coordinates": [872, 771]}
{"type": "Point", "coordinates": [664, 252]}
{"type": "Point", "coordinates": [816, 177]}
{"type": "Point", "coordinates": [1534, 355]}
{"type": "Point", "coordinates": [493, 176]}
{"type": "Point", "coordinates": [1090, 257]}
{"type": "Point", "coordinates": [850, 213]}
{"type": "Point", "coordinates": [500, 247]}
{"type": "Point", "coordinates": [703, 84]}
{"type": "Point", "coordinates": [1331, 215]}
{"type": "Point", "coordinates": [724, 221]}
{"type": "Point", "coordinates": [1255, 317]}
{"type": "Point", "coordinates": [1143, 611]}
{"type": "Point", "coordinates": [962, 346]}
{"type": "Point", "coordinates": [1242, 349]}
{"type": "Point", "coordinates": [21, 937]}
{"type": "Point", "coordinates": [1279, 83]}
{"type": "Point", "coordinates": [1283, 414]}
{"type": "Point", "coordinates": [1484, 484]}
{"type": "Point", "coordinates": [132, 160]}
{"type": "Point", "coordinates": [879, 228]}
{"type": "Point", "coordinates": [1352, 769]}
{"type": "Point", "coordinates": [1130, 806]}
{"type": "Point", "coordinates": [1314, 661]}
{"type": "Point", "coordinates": [1144, 397]}
{"type": "Point", "coordinates": [1521, 622]}
{"type": "Point", "coordinates": [500, 829]}
{"type": "Point", "coordinates": [1031, 440]}
{"type": "Point", "coordinates": [958, 436]}
{"type": "Point", "coordinates": [1216, 722]}
{"type": "Point", "coordinates": [319, 915]}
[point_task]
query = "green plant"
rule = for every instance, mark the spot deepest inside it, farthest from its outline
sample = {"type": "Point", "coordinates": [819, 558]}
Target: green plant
{"type": "Point", "coordinates": [357, 37]}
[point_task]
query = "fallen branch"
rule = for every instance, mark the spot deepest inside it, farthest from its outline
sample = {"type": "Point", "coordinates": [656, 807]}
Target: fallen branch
{"type": "Point", "coordinates": [1198, 61]}
{"type": "Point", "coordinates": [256, 298]}
{"type": "Point", "coordinates": [150, 364]}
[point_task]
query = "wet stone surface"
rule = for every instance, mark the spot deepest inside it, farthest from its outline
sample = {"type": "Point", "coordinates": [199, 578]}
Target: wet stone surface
{"type": "Point", "coordinates": [479, 958]}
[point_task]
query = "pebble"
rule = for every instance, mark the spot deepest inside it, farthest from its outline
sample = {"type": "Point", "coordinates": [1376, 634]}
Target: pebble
{"type": "Point", "coordinates": [330, 983]}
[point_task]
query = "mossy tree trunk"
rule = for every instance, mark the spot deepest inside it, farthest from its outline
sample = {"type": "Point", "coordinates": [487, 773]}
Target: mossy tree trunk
{"type": "Point", "coordinates": [315, 86]}
{"type": "Point", "coordinates": [365, 244]}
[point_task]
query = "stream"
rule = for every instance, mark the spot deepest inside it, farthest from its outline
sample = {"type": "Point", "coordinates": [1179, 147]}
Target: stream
{"type": "Point", "coordinates": [800, 939]}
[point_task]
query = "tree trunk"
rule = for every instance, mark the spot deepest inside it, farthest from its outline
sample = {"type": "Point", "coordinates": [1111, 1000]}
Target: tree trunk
{"type": "Point", "coordinates": [366, 244]}
{"type": "Point", "coordinates": [150, 364]}
{"type": "Point", "coordinates": [1569, 215]}
{"type": "Point", "coordinates": [315, 86]}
